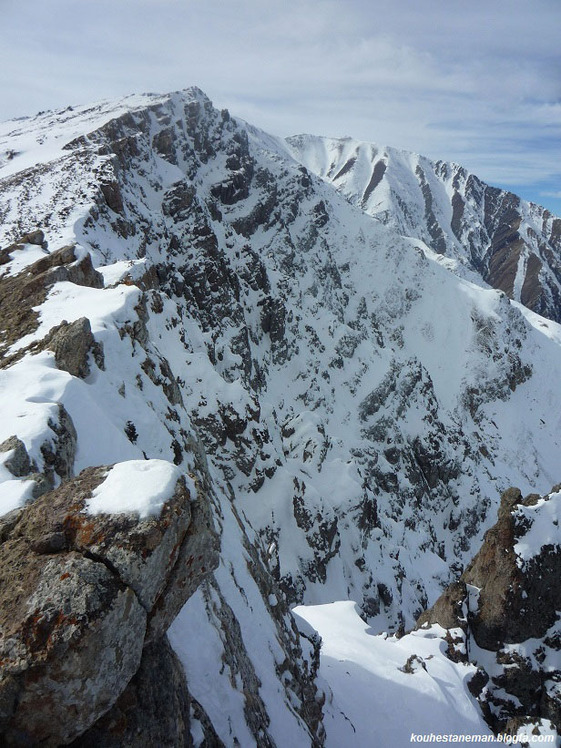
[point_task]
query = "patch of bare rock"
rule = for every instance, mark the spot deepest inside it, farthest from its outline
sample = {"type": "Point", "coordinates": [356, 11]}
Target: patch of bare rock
{"type": "Point", "coordinates": [503, 615]}
{"type": "Point", "coordinates": [85, 603]}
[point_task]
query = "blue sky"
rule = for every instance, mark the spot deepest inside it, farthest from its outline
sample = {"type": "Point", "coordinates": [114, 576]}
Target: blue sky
{"type": "Point", "coordinates": [478, 83]}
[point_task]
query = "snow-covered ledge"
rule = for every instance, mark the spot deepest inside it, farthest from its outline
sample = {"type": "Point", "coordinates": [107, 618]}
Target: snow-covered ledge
{"type": "Point", "coordinates": [137, 486]}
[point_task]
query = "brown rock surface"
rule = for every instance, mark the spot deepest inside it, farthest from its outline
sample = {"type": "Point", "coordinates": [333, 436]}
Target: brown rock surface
{"type": "Point", "coordinates": [76, 593]}
{"type": "Point", "coordinates": [154, 710]}
{"type": "Point", "coordinates": [18, 462]}
{"type": "Point", "coordinates": [72, 343]}
{"type": "Point", "coordinates": [510, 607]}
{"type": "Point", "coordinates": [20, 294]}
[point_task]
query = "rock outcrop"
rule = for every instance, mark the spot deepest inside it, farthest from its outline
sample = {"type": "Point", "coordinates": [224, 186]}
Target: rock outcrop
{"type": "Point", "coordinates": [72, 344]}
{"type": "Point", "coordinates": [81, 597]}
{"type": "Point", "coordinates": [155, 709]}
{"type": "Point", "coordinates": [21, 293]}
{"type": "Point", "coordinates": [504, 612]}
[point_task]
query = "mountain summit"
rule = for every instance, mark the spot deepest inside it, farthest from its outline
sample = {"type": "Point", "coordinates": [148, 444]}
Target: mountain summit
{"type": "Point", "coordinates": [332, 352]}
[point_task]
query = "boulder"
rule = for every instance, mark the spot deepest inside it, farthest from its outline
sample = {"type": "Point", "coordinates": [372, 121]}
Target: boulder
{"type": "Point", "coordinates": [71, 636]}
{"type": "Point", "coordinates": [77, 593]}
{"type": "Point", "coordinates": [18, 462]}
{"type": "Point", "coordinates": [72, 345]}
{"type": "Point", "coordinates": [33, 237]}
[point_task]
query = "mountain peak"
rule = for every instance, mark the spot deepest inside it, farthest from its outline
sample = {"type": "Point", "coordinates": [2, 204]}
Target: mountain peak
{"type": "Point", "coordinates": [307, 333]}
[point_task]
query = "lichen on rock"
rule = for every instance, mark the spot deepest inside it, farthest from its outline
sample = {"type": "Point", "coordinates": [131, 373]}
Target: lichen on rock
{"type": "Point", "coordinates": [77, 592]}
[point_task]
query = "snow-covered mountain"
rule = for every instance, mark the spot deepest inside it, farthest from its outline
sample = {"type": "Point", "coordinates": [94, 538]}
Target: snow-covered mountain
{"type": "Point", "coordinates": [475, 230]}
{"type": "Point", "coordinates": [352, 407]}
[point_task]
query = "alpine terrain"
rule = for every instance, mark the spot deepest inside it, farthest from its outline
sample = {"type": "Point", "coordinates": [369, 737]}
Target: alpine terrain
{"type": "Point", "coordinates": [280, 439]}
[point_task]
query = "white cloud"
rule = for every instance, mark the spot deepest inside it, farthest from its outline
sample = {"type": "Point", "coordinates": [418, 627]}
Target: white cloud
{"type": "Point", "coordinates": [478, 82]}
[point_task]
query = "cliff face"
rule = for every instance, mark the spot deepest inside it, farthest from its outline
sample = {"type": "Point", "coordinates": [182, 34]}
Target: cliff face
{"type": "Point", "coordinates": [503, 614]}
{"type": "Point", "coordinates": [176, 286]}
{"type": "Point", "coordinates": [106, 638]}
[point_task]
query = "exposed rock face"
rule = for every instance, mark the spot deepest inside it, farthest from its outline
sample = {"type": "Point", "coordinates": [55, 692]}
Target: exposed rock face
{"type": "Point", "coordinates": [155, 709]}
{"type": "Point", "coordinates": [59, 452]}
{"type": "Point", "coordinates": [72, 344]}
{"type": "Point", "coordinates": [507, 603]}
{"type": "Point", "coordinates": [448, 610]}
{"type": "Point", "coordinates": [20, 293]}
{"type": "Point", "coordinates": [78, 593]}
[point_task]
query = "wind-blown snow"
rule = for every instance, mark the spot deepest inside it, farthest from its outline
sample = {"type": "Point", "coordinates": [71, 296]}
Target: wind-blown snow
{"type": "Point", "coordinates": [13, 493]}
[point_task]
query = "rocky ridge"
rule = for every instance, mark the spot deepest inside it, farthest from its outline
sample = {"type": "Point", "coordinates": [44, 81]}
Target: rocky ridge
{"type": "Point", "coordinates": [82, 597]}
{"type": "Point", "coordinates": [503, 615]}
{"type": "Point", "coordinates": [475, 229]}
{"type": "Point", "coordinates": [247, 324]}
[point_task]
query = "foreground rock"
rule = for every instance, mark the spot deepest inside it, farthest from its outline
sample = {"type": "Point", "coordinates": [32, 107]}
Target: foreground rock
{"type": "Point", "coordinates": [154, 710]}
{"type": "Point", "coordinates": [80, 598]}
{"type": "Point", "coordinates": [504, 614]}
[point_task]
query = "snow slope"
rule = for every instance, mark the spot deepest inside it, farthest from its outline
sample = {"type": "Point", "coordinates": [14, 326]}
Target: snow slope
{"type": "Point", "coordinates": [388, 688]}
{"type": "Point", "coordinates": [476, 230]}
{"type": "Point", "coordinates": [353, 407]}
